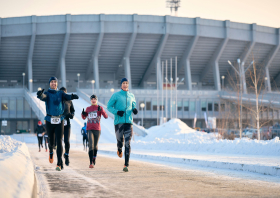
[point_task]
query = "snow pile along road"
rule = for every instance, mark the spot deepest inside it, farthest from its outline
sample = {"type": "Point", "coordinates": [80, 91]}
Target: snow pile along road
{"type": "Point", "coordinates": [16, 167]}
{"type": "Point", "coordinates": [175, 135]}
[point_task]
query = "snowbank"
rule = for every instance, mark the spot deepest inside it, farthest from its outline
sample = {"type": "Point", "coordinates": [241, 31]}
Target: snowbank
{"type": "Point", "coordinates": [16, 167]}
{"type": "Point", "coordinates": [175, 135]}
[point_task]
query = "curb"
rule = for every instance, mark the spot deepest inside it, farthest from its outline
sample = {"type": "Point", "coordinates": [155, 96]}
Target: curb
{"type": "Point", "coordinates": [266, 170]}
{"type": "Point", "coordinates": [34, 191]}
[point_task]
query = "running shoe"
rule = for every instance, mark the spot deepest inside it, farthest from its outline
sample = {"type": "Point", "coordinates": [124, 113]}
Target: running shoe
{"type": "Point", "coordinates": [58, 168]}
{"type": "Point", "coordinates": [67, 162]}
{"type": "Point", "coordinates": [119, 154]}
{"type": "Point", "coordinates": [51, 157]}
{"type": "Point", "coordinates": [125, 169]}
{"type": "Point", "coordinates": [39, 150]}
{"type": "Point", "coordinates": [46, 150]}
{"type": "Point", "coordinates": [91, 166]}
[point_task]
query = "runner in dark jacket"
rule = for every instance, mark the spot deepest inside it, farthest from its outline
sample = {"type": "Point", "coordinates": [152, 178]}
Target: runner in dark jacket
{"type": "Point", "coordinates": [54, 100]}
{"type": "Point", "coordinates": [40, 130]}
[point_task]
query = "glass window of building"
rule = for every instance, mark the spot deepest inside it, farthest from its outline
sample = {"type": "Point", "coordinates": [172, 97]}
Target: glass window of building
{"type": "Point", "coordinates": [4, 104]}
{"type": "Point", "coordinates": [223, 107]}
{"type": "Point", "coordinates": [27, 109]}
{"type": "Point", "coordinates": [148, 106]}
{"type": "Point", "coordinates": [203, 105]}
{"type": "Point", "coordinates": [192, 106]}
{"type": "Point", "coordinates": [210, 106]}
{"type": "Point", "coordinates": [161, 106]}
{"type": "Point", "coordinates": [12, 107]}
{"type": "Point", "coordinates": [216, 106]}
{"type": "Point", "coordinates": [20, 106]}
{"type": "Point", "coordinates": [179, 105]}
{"type": "Point", "coordinates": [186, 105]}
{"type": "Point", "coordinates": [154, 102]}
{"type": "Point", "coordinates": [4, 107]}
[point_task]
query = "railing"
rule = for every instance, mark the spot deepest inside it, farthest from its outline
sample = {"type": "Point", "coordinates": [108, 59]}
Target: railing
{"type": "Point", "coordinates": [36, 105]}
{"type": "Point", "coordinates": [138, 130]}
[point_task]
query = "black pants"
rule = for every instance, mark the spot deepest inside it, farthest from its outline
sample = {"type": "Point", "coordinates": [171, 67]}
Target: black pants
{"type": "Point", "coordinates": [124, 132]}
{"type": "Point", "coordinates": [46, 141]}
{"type": "Point", "coordinates": [85, 141]}
{"type": "Point", "coordinates": [67, 132]}
{"type": "Point", "coordinates": [93, 138]}
{"type": "Point", "coordinates": [40, 141]}
{"type": "Point", "coordinates": [55, 131]}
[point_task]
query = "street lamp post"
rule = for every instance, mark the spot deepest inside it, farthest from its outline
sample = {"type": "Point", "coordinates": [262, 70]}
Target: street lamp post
{"type": "Point", "coordinates": [23, 75]}
{"type": "Point", "coordinates": [92, 85]}
{"type": "Point", "coordinates": [112, 90]}
{"type": "Point", "coordinates": [142, 105]}
{"type": "Point", "coordinates": [78, 74]}
{"type": "Point", "coordinates": [265, 82]}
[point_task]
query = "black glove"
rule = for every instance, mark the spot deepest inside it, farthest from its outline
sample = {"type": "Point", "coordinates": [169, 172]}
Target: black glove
{"type": "Point", "coordinates": [74, 96]}
{"type": "Point", "coordinates": [135, 111]}
{"type": "Point", "coordinates": [39, 93]}
{"type": "Point", "coordinates": [120, 113]}
{"type": "Point", "coordinates": [99, 108]}
{"type": "Point", "coordinates": [70, 116]}
{"type": "Point", "coordinates": [84, 113]}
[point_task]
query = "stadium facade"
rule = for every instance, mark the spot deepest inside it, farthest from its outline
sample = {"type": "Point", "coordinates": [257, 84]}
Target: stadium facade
{"type": "Point", "coordinates": [86, 51]}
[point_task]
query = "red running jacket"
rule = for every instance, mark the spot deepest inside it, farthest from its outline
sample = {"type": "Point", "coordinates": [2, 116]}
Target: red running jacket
{"type": "Point", "coordinates": [94, 117]}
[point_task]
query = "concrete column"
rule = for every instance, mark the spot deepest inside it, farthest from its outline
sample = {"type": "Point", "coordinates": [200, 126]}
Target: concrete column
{"type": "Point", "coordinates": [30, 55]}
{"type": "Point", "coordinates": [0, 29]}
{"type": "Point", "coordinates": [96, 72]}
{"type": "Point", "coordinates": [126, 62]}
{"type": "Point", "coordinates": [64, 50]}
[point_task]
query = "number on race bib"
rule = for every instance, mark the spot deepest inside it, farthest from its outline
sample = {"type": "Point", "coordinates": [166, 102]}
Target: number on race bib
{"type": "Point", "coordinates": [92, 115]}
{"type": "Point", "coordinates": [55, 120]}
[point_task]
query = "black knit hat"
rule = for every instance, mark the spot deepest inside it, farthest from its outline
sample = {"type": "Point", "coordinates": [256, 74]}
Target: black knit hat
{"type": "Point", "coordinates": [124, 79]}
{"type": "Point", "coordinates": [63, 89]}
{"type": "Point", "coordinates": [53, 78]}
{"type": "Point", "coordinates": [93, 96]}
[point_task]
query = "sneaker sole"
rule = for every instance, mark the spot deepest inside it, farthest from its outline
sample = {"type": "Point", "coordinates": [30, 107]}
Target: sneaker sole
{"type": "Point", "coordinates": [58, 169]}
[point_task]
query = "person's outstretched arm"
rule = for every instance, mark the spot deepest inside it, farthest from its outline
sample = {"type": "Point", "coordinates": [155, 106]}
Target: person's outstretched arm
{"type": "Point", "coordinates": [67, 97]}
{"type": "Point", "coordinates": [103, 112]}
{"type": "Point", "coordinates": [72, 111]}
{"type": "Point", "coordinates": [41, 95]}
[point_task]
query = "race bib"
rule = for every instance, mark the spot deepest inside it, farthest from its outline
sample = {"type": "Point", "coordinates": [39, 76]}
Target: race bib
{"type": "Point", "coordinates": [40, 135]}
{"type": "Point", "coordinates": [65, 122]}
{"type": "Point", "coordinates": [45, 135]}
{"type": "Point", "coordinates": [92, 115]}
{"type": "Point", "coordinates": [55, 120]}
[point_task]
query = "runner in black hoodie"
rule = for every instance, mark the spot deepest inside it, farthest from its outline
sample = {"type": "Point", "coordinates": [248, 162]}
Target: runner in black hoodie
{"type": "Point", "coordinates": [69, 112]}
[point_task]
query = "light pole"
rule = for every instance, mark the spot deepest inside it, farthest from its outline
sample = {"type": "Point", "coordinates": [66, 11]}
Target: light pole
{"type": "Point", "coordinates": [142, 105]}
{"type": "Point", "coordinates": [78, 74]}
{"type": "Point", "coordinates": [92, 85]}
{"type": "Point", "coordinates": [23, 74]}
{"type": "Point", "coordinates": [112, 90]}
{"type": "Point", "coordinates": [223, 78]}
{"type": "Point", "coordinates": [162, 68]}
{"type": "Point", "coordinates": [171, 81]}
{"type": "Point", "coordinates": [265, 82]}
{"type": "Point", "coordinates": [240, 74]}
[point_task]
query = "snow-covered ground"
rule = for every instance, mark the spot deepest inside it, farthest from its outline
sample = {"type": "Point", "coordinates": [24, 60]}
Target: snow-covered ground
{"type": "Point", "coordinates": [16, 168]}
{"type": "Point", "coordinates": [175, 135]}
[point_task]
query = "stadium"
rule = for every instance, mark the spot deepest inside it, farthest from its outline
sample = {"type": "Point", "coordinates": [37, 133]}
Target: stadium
{"type": "Point", "coordinates": [92, 53]}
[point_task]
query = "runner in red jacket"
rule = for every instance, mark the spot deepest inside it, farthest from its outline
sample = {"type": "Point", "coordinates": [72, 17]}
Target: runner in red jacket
{"type": "Point", "coordinates": [93, 113]}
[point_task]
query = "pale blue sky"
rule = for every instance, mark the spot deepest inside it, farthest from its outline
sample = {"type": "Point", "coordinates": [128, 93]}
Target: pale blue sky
{"type": "Point", "coordinates": [262, 12]}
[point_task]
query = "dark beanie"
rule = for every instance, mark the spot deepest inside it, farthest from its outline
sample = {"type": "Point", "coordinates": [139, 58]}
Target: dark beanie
{"type": "Point", "coordinates": [124, 79]}
{"type": "Point", "coordinates": [53, 78]}
{"type": "Point", "coordinates": [63, 89]}
{"type": "Point", "coordinates": [93, 96]}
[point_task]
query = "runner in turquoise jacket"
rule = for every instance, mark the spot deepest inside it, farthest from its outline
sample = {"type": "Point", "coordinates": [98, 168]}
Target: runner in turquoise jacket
{"type": "Point", "coordinates": [122, 104]}
{"type": "Point", "coordinates": [122, 101]}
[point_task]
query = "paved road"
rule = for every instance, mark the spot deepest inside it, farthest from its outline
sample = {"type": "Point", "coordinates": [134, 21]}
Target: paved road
{"type": "Point", "coordinates": [143, 180]}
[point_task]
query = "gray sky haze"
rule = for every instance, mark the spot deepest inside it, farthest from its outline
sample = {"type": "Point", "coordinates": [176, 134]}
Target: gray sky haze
{"type": "Point", "coordinates": [262, 12]}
